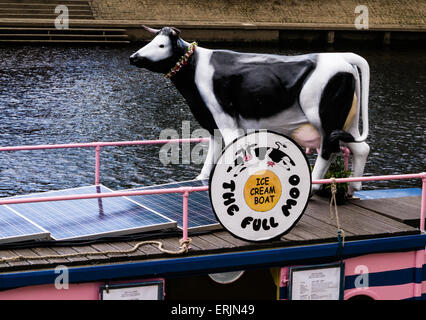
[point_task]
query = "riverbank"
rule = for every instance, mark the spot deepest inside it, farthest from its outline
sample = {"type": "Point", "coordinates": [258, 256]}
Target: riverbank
{"type": "Point", "coordinates": [381, 12]}
{"type": "Point", "coordinates": [325, 21]}
{"type": "Point", "coordinates": [232, 32]}
{"type": "Point", "coordinates": [234, 21]}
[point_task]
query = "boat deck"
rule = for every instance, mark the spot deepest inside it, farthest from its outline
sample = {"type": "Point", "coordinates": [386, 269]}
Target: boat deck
{"type": "Point", "coordinates": [360, 220]}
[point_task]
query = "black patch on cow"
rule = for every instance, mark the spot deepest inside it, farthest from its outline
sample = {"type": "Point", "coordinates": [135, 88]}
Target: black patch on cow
{"type": "Point", "coordinates": [340, 135]}
{"type": "Point", "coordinates": [260, 87]}
{"type": "Point", "coordinates": [336, 102]}
{"type": "Point", "coordinates": [261, 152]}
{"type": "Point", "coordinates": [277, 155]}
{"type": "Point", "coordinates": [184, 80]}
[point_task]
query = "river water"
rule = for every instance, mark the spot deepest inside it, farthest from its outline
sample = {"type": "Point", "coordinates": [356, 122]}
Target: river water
{"type": "Point", "coordinates": [65, 94]}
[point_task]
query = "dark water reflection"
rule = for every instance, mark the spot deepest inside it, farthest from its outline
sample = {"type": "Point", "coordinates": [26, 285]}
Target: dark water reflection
{"type": "Point", "coordinates": [58, 94]}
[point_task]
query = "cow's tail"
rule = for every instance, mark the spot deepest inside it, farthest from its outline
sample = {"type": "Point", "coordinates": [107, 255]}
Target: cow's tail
{"type": "Point", "coordinates": [363, 66]}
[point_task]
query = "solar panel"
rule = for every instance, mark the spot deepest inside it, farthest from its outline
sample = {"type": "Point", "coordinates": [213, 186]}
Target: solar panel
{"type": "Point", "coordinates": [14, 228]}
{"type": "Point", "coordinates": [90, 218]}
{"type": "Point", "coordinates": [200, 213]}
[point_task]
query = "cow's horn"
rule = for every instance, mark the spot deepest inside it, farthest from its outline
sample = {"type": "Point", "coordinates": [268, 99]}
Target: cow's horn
{"type": "Point", "coordinates": [150, 30]}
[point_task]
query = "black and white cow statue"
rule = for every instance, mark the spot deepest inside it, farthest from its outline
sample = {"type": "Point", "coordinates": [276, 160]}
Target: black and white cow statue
{"type": "Point", "coordinates": [315, 98]}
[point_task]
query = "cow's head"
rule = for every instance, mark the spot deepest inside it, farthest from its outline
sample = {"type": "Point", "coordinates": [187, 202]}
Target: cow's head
{"type": "Point", "coordinates": [162, 53]}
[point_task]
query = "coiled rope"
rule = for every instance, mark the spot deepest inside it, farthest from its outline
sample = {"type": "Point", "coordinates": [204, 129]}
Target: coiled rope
{"type": "Point", "coordinates": [183, 248]}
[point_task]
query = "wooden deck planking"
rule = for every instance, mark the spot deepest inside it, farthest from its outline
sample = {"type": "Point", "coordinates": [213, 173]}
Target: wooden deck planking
{"type": "Point", "coordinates": [233, 241]}
{"type": "Point", "coordinates": [172, 244]}
{"type": "Point", "coordinates": [144, 250]}
{"type": "Point", "coordinates": [50, 252]}
{"type": "Point", "coordinates": [30, 253]}
{"type": "Point", "coordinates": [323, 230]}
{"type": "Point", "coordinates": [350, 223]}
{"type": "Point", "coordinates": [363, 218]}
{"type": "Point", "coordinates": [391, 208]}
{"type": "Point", "coordinates": [414, 201]}
{"type": "Point", "coordinates": [86, 250]}
{"type": "Point", "coordinates": [328, 229]}
{"type": "Point", "coordinates": [203, 243]}
{"type": "Point", "coordinates": [124, 246]}
{"type": "Point", "coordinates": [291, 237]}
{"type": "Point", "coordinates": [11, 254]}
{"type": "Point", "coordinates": [404, 209]}
{"type": "Point", "coordinates": [105, 247]}
{"type": "Point", "coordinates": [69, 250]}
{"type": "Point", "coordinates": [359, 220]}
{"type": "Point", "coordinates": [388, 223]}
{"type": "Point", "coordinates": [305, 231]}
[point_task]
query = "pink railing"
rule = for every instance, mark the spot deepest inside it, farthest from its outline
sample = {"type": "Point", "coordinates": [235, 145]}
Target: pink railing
{"type": "Point", "coordinates": [97, 146]}
{"type": "Point", "coordinates": [184, 190]}
{"type": "Point", "coordinates": [387, 177]}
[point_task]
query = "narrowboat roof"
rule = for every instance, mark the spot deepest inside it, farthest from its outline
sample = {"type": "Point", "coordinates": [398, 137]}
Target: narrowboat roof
{"type": "Point", "coordinates": [370, 226]}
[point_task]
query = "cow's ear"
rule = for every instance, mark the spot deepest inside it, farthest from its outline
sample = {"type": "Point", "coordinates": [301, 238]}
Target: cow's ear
{"type": "Point", "coordinates": [175, 31]}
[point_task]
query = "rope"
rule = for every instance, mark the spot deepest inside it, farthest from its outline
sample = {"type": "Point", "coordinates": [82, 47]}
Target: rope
{"type": "Point", "coordinates": [183, 248]}
{"type": "Point", "coordinates": [333, 203]}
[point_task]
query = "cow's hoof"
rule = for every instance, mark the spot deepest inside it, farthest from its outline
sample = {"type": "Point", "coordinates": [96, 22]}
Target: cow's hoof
{"type": "Point", "coordinates": [354, 186]}
{"type": "Point", "coordinates": [315, 188]}
{"type": "Point", "coordinates": [202, 177]}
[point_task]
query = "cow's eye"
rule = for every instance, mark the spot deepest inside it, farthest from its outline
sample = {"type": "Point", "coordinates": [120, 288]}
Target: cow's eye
{"type": "Point", "coordinates": [161, 45]}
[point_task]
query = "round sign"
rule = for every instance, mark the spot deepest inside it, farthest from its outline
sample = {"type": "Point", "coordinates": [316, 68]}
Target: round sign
{"type": "Point", "coordinates": [260, 186]}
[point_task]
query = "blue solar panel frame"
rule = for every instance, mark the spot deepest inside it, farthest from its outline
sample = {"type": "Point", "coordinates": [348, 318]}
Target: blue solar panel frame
{"type": "Point", "coordinates": [74, 219]}
{"type": "Point", "coordinates": [15, 228]}
{"type": "Point", "coordinates": [200, 213]}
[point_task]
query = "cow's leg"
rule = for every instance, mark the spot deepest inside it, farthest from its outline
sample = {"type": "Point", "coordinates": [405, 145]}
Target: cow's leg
{"type": "Point", "coordinates": [215, 147]}
{"type": "Point", "coordinates": [360, 151]}
{"type": "Point", "coordinates": [320, 169]}
{"type": "Point", "coordinates": [229, 133]}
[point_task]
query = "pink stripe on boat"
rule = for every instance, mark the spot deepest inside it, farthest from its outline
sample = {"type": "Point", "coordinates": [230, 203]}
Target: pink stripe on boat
{"type": "Point", "coordinates": [380, 262]}
{"type": "Point", "coordinates": [395, 292]}
{"type": "Point", "coordinates": [75, 291]}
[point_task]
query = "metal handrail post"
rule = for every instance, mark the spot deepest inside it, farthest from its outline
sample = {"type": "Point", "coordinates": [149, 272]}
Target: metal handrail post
{"type": "Point", "coordinates": [185, 196]}
{"type": "Point", "coordinates": [97, 164]}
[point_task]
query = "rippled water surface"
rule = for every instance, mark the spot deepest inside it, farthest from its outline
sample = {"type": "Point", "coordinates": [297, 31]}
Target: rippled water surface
{"type": "Point", "coordinates": [57, 94]}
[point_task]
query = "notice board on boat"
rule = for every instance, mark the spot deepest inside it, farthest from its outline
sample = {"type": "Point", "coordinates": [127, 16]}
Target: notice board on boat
{"type": "Point", "coordinates": [146, 290]}
{"type": "Point", "coordinates": [320, 282]}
